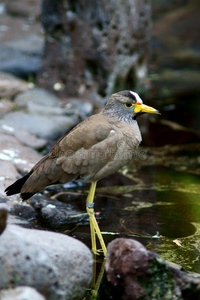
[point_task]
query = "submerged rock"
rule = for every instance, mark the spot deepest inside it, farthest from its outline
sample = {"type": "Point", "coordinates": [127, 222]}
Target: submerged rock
{"type": "Point", "coordinates": [54, 214]}
{"type": "Point", "coordinates": [57, 265]}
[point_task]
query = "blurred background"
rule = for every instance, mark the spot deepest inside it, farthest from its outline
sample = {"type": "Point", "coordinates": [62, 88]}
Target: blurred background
{"type": "Point", "coordinates": [90, 50]}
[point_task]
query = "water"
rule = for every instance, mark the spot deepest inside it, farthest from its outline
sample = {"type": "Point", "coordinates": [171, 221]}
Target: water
{"type": "Point", "coordinates": [160, 208]}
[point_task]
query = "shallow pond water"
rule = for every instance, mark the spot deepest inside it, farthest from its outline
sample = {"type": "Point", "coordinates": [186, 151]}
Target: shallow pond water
{"type": "Point", "coordinates": [160, 208]}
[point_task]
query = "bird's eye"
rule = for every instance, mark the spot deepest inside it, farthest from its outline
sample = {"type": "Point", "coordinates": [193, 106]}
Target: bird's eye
{"type": "Point", "coordinates": [128, 104]}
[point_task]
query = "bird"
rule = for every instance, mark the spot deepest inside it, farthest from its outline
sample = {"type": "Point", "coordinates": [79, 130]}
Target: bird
{"type": "Point", "coordinates": [97, 147]}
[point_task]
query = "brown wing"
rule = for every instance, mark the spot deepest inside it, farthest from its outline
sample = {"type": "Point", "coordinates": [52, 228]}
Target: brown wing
{"type": "Point", "coordinates": [81, 153]}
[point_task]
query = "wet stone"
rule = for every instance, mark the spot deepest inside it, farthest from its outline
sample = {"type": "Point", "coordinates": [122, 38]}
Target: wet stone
{"type": "Point", "coordinates": [54, 214]}
{"type": "Point", "coordinates": [20, 213]}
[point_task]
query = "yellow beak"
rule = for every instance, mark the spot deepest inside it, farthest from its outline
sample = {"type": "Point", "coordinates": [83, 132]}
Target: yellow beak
{"type": "Point", "coordinates": [145, 108]}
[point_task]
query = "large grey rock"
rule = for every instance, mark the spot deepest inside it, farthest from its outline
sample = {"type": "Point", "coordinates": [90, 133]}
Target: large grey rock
{"type": "Point", "coordinates": [42, 126]}
{"type": "Point", "coordinates": [21, 293]}
{"type": "Point", "coordinates": [57, 265]}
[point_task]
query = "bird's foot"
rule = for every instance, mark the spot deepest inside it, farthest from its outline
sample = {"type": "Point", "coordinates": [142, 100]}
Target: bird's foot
{"type": "Point", "coordinates": [98, 251]}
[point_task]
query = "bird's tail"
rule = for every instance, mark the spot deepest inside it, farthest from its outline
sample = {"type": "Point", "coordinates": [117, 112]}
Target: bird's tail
{"type": "Point", "coordinates": [16, 187]}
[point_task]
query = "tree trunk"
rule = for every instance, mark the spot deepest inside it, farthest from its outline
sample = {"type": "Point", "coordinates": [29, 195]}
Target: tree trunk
{"type": "Point", "coordinates": [94, 47]}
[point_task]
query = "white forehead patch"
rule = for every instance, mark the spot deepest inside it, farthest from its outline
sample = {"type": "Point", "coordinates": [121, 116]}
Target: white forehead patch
{"type": "Point", "coordinates": [137, 97]}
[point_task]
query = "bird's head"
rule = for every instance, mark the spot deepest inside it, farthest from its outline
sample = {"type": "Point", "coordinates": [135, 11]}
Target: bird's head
{"type": "Point", "coordinates": [126, 106]}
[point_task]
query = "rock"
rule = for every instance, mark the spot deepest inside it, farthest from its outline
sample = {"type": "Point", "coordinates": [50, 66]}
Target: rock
{"type": "Point", "coordinates": [30, 140]}
{"type": "Point", "coordinates": [20, 213]}
{"type": "Point", "coordinates": [21, 293]}
{"type": "Point", "coordinates": [30, 9]}
{"type": "Point", "coordinates": [57, 265]}
{"type": "Point", "coordinates": [40, 101]}
{"type": "Point", "coordinates": [22, 157]}
{"type": "Point", "coordinates": [44, 127]}
{"type": "Point", "coordinates": [8, 174]}
{"type": "Point", "coordinates": [11, 86]}
{"type": "Point", "coordinates": [18, 63]}
{"type": "Point", "coordinates": [21, 39]}
{"type": "Point", "coordinates": [136, 273]}
{"type": "Point", "coordinates": [23, 136]}
{"type": "Point", "coordinates": [79, 107]}
{"type": "Point", "coordinates": [32, 44]}
{"type": "Point", "coordinates": [54, 214]}
{"type": "Point", "coordinates": [37, 96]}
{"type": "Point", "coordinates": [39, 109]}
{"type": "Point", "coordinates": [5, 107]}
{"type": "Point", "coordinates": [3, 216]}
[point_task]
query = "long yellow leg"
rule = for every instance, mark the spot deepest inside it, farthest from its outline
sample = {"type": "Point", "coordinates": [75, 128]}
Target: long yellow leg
{"type": "Point", "coordinates": [94, 227]}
